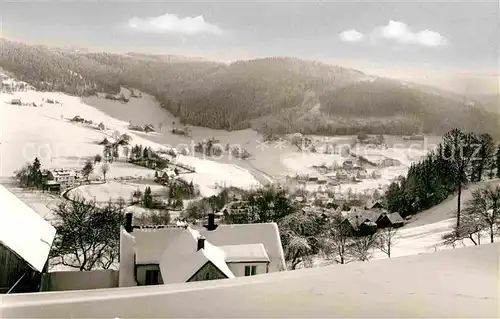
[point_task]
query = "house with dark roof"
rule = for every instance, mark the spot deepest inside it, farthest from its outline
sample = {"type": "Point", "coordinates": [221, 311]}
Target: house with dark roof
{"type": "Point", "coordinates": [362, 221]}
{"type": "Point", "coordinates": [390, 220]}
{"type": "Point", "coordinates": [25, 242]}
{"type": "Point", "coordinates": [377, 205]}
{"type": "Point", "coordinates": [165, 255]}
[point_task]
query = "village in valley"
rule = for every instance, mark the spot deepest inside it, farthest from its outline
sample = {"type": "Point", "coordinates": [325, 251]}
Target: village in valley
{"type": "Point", "coordinates": [138, 185]}
{"type": "Point", "coordinates": [171, 223]}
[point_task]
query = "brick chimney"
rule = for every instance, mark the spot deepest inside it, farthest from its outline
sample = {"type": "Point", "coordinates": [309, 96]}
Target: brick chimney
{"type": "Point", "coordinates": [128, 223]}
{"type": "Point", "coordinates": [201, 243]}
{"type": "Point", "coordinates": [211, 222]}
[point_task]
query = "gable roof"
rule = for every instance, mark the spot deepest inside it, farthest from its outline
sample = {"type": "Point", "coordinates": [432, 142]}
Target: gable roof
{"type": "Point", "coordinates": [152, 243]}
{"type": "Point", "coordinates": [245, 253]}
{"type": "Point", "coordinates": [395, 218]}
{"type": "Point", "coordinates": [181, 260]}
{"type": "Point", "coordinates": [23, 231]}
{"type": "Point", "coordinates": [364, 214]}
{"type": "Point", "coordinates": [266, 234]}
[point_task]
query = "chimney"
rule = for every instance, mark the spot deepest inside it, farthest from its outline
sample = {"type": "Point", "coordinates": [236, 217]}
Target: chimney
{"type": "Point", "coordinates": [128, 222]}
{"type": "Point", "coordinates": [211, 222]}
{"type": "Point", "coordinates": [201, 243]}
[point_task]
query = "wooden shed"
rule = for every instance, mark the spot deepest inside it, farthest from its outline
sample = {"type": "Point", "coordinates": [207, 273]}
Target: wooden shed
{"type": "Point", "coordinates": [25, 242]}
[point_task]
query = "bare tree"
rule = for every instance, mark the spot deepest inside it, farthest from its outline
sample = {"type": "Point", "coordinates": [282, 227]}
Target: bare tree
{"type": "Point", "coordinates": [361, 247]}
{"type": "Point", "coordinates": [302, 236]}
{"type": "Point", "coordinates": [154, 217]}
{"type": "Point", "coordinates": [484, 209]}
{"type": "Point", "coordinates": [339, 239]}
{"type": "Point", "coordinates": [87, 236]}
{"type": "Point", "coordinates": [386, 240]}
{"type": "Point", "coordinates": [104, 170]}
{"type": "Point", "coordinates": [470, 228]}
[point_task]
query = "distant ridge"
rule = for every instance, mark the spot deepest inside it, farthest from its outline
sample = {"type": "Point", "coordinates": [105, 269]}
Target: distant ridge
{"type": "Point", "coordinates": [274, 95]}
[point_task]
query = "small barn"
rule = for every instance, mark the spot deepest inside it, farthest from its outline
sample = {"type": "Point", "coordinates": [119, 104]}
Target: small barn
{"type": "Point", "coordinates": [25, 242]}
{"type": "Point", "coordinates": [16, 102]}
{"type": "Point", "coordinates": [362, 221]}
{"type": "Point", "coordinates": [390, 220]}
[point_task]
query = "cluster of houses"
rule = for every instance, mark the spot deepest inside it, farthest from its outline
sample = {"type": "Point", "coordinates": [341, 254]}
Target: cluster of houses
{"type": "Point", "coordinates": [148, 255]}
{"type": "Point", "coordinates": [331, 176]}
{"type": "Point", "coordinates": [358, 220]}
{"type": "Point", "coordinates": [20, 102]}
{"type": "Point", "coordinates": [364, 221]}
{"type": "Point", "coordinates": [160, 254]}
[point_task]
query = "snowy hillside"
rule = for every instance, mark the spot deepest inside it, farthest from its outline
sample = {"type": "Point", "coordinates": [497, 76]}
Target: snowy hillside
{"type": "Point", "coordinates": [461, 283]}
{"type": "Point", "coordinates": [44, 131]}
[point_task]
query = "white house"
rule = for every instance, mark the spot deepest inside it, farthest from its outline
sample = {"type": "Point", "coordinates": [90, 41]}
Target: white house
{"type": "Point", "coordinates": [65, 177]}
{"type": "Point", "coordinates": [176, 254]}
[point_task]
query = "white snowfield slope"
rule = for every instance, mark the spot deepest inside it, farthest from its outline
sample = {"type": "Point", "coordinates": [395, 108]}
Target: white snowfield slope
{"type": "Point", "coordinates": [449, 284]}
{"type": "Point", "coordinates": [23, 231]}
{"type": "Point", "coordinates": [45, 132]}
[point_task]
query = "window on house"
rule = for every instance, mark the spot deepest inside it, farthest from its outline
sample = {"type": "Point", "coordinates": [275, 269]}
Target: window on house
{"type": "Point", "coordinates": [250, 270]}
{"type": "Point", "coordinates": [152, 277]}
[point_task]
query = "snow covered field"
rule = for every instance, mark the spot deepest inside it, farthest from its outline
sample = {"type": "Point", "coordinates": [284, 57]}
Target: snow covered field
{"type": "Point", "coordinates": [457, 283]}
{"type": "Point", "coordinates": [27, 132]}
{"type": "Point", "coordinates": [302, 162]}
{"type": "Point", "coordinates": [110, 190]}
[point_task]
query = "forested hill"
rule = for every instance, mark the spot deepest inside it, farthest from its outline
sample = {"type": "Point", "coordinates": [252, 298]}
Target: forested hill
{"type": "Point", "coordinates": [274, 95]}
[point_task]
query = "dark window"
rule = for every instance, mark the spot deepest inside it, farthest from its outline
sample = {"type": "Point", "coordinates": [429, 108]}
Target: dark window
{"type": "Point", "coordinates": [207, 276]}
{"type": "Point", "coordinates": [152, 277]}
{"type": "Point", "coordinates": [250, 270]}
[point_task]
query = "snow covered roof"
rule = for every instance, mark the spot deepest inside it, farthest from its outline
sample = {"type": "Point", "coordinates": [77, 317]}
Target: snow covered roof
{"type": "Point", "coordinates": [456, 283]}
{"type": "Point", "coordinates": [266, 234]}
{"type": "Point", "coordinates": [248, 253]}
{"type": "Point", "coordinates": [23, 231]}
{"type": "Point", "coordinates": [364, 214]}
{"type": "Point", "coordinates": [152, 243]}
{"type": "Point", "coordinates": [182, 259]}
{"type": "Point", "coordinates": [62, 172]}
{"type": "Point", "coordinates": [395, 218]}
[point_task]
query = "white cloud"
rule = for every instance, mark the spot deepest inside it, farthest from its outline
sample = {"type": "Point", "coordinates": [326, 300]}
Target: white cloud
{"type": "Point", "coordinates": [397, 32]}
{"type": "Point", "coordinates": [171, 23]}
{"type": "Point", "coordinates": [351, 36]}
{"type": "Point", "coordinates": [400, 32]}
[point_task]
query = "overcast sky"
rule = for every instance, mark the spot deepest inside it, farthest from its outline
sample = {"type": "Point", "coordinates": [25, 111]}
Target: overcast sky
{"type": "Point", "coordinates": [395, 37]}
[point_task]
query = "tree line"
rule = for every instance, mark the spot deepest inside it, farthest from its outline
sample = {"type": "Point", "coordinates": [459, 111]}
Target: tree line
{"type": "Point", "coordinates": [461, 158]}
{"type": "Point", "coordinates": [272, 95]}
{"type": "Point", "coordinates": [304, 234]}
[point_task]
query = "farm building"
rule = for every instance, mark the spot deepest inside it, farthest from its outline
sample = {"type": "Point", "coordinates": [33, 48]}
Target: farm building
{"type": "Point", "coordinates": [25, 242]}
{"type": "Point", "coordinates": [16, 102]}
{"type": "Point", "coordinates": [390, 220]}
